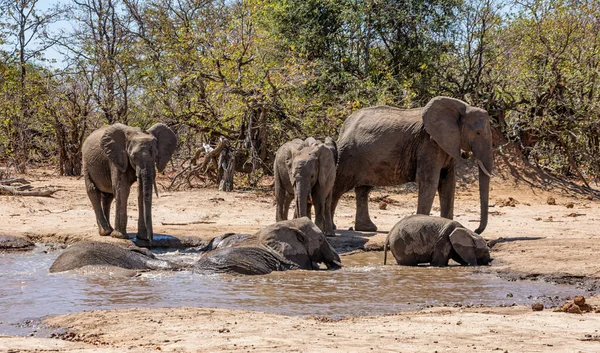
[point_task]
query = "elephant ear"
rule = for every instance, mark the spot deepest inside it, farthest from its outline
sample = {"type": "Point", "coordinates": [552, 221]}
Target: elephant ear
{"type": "Point", "coordinates": [464, 245]}
{"type": "Point", "coordinates": [167, 142]}
{"type": "Point", "coordinates": [441, 117]}
{"type": "Point", "coordinates": [326, 165]}
{"type": "Point", "coordinates": [332, 146]}
{"type": "Point", "coordinates": [114, 145]}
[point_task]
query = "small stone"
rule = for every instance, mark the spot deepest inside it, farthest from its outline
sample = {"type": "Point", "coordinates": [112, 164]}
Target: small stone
{"type": "Point", "coordinates": [551, 200]}
{"type": "Point", "coordinates": [570, 205]}
{"type": "Point", "coordinates": [574, 309]}
{"type": "Point", "coordinates": [382, 205]}
{"type": "Point", "coordinates": [586, 308]}
{"type": "Point", "coordinates": [579, 300]}
{"type": "Point", "coordinates": [537, 306]}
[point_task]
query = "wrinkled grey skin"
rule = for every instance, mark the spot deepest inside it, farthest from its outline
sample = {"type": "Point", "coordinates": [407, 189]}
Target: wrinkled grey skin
{"type": "Point", "coordinates": [420, 239]}
{"type": "Point", "coordinates": [114, 157]}
{"type": "Point", "coordinates": [383, 146]}
{"type": "Point", "coordinates": [104, 254]}
{"type": "Point", "coordinates": [305, 170]}
{"type": "Point", "coordinates": [298, 241]}
{"type": "Point", "coordinates": [247, 260]}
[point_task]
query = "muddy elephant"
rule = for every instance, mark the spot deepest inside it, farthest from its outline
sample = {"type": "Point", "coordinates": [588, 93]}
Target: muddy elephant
{"type": "Point", "coordinates": [305, 170]}
{"type": "Point", "coordinates": [114, 157]}
{"type": "Point", "coordinates": [421, 239]}
{"type": "Point", "coordinates": [383, 146]}
{"type": "Point", "coordinates": [104, 254]}
{"type": "Point", "coordinates": [246, 260]}
{"type": "Point", "coordinates": [299, 242]}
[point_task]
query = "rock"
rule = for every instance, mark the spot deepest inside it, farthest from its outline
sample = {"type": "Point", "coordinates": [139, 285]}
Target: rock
{"type": "Point", "coordinates": [382, 205]}
{"type": "Point", "coordinates": [12, 243]}
{"type": "Point", "coordinates": [551, 200]}
{"type": "Point", "coordinates": [574, 309]}
{"type": "Point", "coordinates": [537, 306]}
{"type": "Point", "coordinates": [570, 205]}
{"type": "Point", "coordinates": [579, 300]}
{"type": "Point", "coordinates": [586, 308]}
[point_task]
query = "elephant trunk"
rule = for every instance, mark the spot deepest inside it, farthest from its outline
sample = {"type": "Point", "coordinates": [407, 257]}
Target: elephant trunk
{"type": "Point", "coordinates": [333, 261]}
{"type": "Point", "coordinates": [485, 168]}
{"type": "Point", "coordinates": [301, 191]}
{"type": "Point", "coordinates": [147, 177]}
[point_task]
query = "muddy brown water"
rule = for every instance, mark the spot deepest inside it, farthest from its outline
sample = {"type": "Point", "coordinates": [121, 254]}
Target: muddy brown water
{"type": "Point", "coordinates": [363, 287]}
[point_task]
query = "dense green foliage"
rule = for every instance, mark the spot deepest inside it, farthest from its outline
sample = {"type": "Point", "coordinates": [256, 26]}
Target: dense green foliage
{"type": "Point", "coordinates": [261, 72]}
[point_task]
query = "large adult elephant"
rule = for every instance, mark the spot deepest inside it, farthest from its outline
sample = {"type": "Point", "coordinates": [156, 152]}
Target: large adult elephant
{"type": "Point", "coordinates": [382, 146]}
{"type": "Point", "coordinates": [114, 157]}
{"type": "Point", "coordinates": [306, 170]}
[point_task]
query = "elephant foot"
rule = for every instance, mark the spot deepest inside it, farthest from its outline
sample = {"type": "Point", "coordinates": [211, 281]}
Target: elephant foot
{"type": "Point", "coordinates": [367, 226]}
{"type": "Point", "coordinates": [118, 235]}
{"type": "Point", "coordinates": [105, 232]}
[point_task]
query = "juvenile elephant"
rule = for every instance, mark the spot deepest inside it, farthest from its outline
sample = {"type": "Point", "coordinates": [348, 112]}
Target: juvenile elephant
{"type": "Point", "coordinates": [104, 254]}
{"type": "Point", "coordinates": [420, 239]}
{"type": "Point", "coordinates": [299, 242]}
{"type": "Point", "coordinates": [383, 146]}
{"type": "Point", "coordinates": [246, 260]}
{"type": "Point", "coordinates": [303, 170]}
{"type": "Point", "coordinates": [114, 157]}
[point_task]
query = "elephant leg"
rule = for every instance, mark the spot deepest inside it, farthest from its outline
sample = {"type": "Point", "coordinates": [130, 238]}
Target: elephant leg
{"type": "Point", "coordinates": [121, 192]}
{"type": "Point", "coordinates": [95, 196]}
{"type": "Point", "coordinates": [287, 201]}
{"type": "Point", "coordinates": [446, 191]}
{"type": "Point", "coordinates": [329, 228]}
{"type": "Point", "coordinates": [363, 221]}
{"type": "Point", "coordinates": [427, 187]}
{"type": "Point", "coordinates": [107, 200]}
{"type": "Point", "coordinates": [318, 201]}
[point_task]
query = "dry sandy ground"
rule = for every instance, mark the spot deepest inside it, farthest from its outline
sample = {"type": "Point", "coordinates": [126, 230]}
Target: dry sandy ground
{"type": "Point", "coordinates": [534, 238]}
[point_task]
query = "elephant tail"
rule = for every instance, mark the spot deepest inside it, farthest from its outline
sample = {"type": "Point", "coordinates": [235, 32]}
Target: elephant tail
{"type": "Point", "coordinates": [385, 250]}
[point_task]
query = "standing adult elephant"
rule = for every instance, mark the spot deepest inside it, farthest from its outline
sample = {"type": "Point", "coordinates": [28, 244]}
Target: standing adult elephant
{"type": "Point", "coordinates": [114, 157]}
{"type": "Point", "coordinates": [303, 170]}
{"type": "Point", "coordinates": [382, 146]}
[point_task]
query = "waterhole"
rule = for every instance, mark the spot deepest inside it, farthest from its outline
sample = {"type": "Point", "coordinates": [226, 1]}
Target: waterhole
{"type": "Point", "coordinates": [363, 287]}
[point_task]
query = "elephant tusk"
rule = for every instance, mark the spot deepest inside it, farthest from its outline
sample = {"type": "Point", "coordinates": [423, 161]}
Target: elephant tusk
{"type": "Point", "coordinates": [485, 171]}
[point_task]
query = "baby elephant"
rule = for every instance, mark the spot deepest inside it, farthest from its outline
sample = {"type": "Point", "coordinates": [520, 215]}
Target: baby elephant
{"type": "Point", "coordinates": [420, 239]}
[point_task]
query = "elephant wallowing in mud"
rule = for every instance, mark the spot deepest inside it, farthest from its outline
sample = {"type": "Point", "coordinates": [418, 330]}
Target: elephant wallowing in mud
{"type": "Point", "coordinates": [286, 245]}
{"type": "Point", "coordinates": [114, 157]}
{"type": "Point", "coordinates": [305, 170]}
{"type": "Point", "coordinates": [104, 254]}
{"type": "Point", "coordinates": [421, 239]}
{"type": "Point", "coordinates": [384, 146]}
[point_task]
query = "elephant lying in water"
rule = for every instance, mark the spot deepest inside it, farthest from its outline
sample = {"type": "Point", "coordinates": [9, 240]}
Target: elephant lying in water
{"type": "Point", "coordinates": [426, 239]}
{"type": "Point", "coordinates": [286, 245]}
{"type": "Point", "coordinates": [106, 254]}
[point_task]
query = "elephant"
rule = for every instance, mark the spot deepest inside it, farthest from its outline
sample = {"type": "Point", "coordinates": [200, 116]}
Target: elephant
{"type": "Point", "coordinates": [246, 260]}
{"type": "Point", "coordinates": [114, 157]}
{"type": "Point", "coordinates": [420, 239]}
{"type": "Point", "coordinates": [306, 170]}
{"type": "Point", "coordinates": [298, 241]}
{"type": "Point", "coordinates": [105, 254]}
{"type": "Point", "coordinates": [384, 146]}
